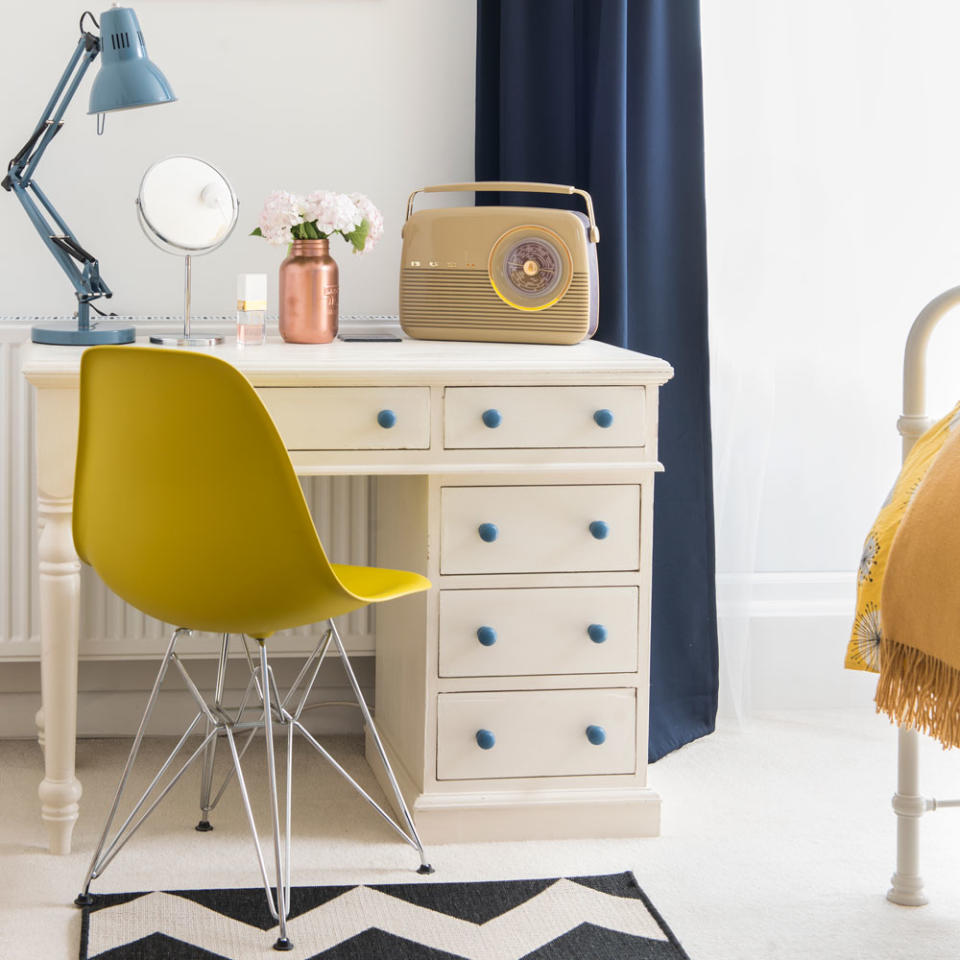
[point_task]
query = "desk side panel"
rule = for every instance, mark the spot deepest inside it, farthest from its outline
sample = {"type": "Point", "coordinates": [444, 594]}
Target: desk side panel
{"type": "Point", "coordinates": [403, 524]}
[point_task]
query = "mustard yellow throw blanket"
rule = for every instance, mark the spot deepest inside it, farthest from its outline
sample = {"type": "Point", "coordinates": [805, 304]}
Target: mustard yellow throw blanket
{"type": "Point", "coordinates": [863, 650]}
{"type": "Point", "coordinates": [919, 683]}
{"type": "Point", "coordinates": [907, 625]}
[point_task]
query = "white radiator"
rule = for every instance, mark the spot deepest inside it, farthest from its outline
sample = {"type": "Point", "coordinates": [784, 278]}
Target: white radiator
{"type": "Point", "coordinates": [110, 629]}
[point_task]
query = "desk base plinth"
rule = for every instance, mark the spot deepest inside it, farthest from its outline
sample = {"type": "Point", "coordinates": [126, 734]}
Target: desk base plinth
{"type": "Point", "coordinates": [529, 814]}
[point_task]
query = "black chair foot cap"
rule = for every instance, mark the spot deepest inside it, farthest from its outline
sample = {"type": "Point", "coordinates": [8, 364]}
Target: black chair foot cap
{"type": "Point", "coordinates": [425, 868]}
{"type": "Point", "coordinates": [84, 900]}
{"type": "Point", "coordinates": [283, 944]}
{"type": "Point", "coordinates": [204, 826]}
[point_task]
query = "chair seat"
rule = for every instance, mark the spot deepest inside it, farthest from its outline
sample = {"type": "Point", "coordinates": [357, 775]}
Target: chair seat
{"type": "Point", "coordinates": [375, 584]}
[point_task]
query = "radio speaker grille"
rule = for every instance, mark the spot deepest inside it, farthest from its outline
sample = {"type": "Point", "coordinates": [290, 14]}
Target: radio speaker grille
{"type": "Point", "coordinates": [447, 303]}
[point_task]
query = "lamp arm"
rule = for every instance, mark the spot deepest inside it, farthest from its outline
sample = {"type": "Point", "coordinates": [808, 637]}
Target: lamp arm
{"type": "Point", "coordinates": [51, 118]}
{"type": "Point", "coordinates": [19, 180]}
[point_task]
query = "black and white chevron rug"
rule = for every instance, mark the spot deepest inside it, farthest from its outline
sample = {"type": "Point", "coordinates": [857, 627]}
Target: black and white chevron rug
{"type": "Point", "coordinates": [580, 918]}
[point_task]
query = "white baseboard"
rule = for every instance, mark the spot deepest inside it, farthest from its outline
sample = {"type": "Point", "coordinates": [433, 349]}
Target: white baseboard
{"type": "Point", "coordinates": [783, 637]}
{"type": "Point", "coordinates": [112, 695]}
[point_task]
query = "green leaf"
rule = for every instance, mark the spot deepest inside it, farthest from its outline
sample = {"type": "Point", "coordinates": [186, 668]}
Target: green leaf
{"type": "Point", "coordinates": [359, 236]}
{"type": "Point", "coordinates": [310, 230]}
{"type": "Point", "coordinates": [256, 232]}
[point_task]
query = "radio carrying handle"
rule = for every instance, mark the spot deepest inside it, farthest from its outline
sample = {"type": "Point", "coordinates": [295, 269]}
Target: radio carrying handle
{"type": "Point", "coordinates": [512, 186]}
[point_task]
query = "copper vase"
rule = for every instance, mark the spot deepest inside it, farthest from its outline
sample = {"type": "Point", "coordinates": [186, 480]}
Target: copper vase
{"type": "Point", "coordinates": [309, 293]}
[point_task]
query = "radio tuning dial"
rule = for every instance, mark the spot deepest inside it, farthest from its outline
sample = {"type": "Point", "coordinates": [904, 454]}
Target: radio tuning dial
{"type": "Point", "coordinates": [530, 267]}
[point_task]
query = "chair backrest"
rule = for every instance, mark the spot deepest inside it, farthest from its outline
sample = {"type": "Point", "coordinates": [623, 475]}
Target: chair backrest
{"type": "Point", "coordinates": [185, 500]}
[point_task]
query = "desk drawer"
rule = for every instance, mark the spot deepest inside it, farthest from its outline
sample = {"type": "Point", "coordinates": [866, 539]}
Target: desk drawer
{"type": "Point", "coordinates": [536, 529]}
{"type": "Point", "coordinates": [516, 632]}
{"type": "Point", "coordinates": [350, 418]}
{"type": "Point", "coordinates": [544, 733]}
{"type": "Point", "coordinates": [491, 417]}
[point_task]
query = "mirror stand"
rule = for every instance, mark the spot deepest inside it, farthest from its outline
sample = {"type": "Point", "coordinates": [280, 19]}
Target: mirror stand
{"type": "Point", "coordinates": [186, 339]}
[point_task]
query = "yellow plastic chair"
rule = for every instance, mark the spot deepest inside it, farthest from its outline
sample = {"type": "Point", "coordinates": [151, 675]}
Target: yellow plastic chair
{"type": "Point", "coordinates": [187, 506]}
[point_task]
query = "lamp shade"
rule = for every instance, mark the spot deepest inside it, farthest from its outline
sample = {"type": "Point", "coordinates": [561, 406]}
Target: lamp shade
{"type": "Point", "coordinates": [128, 77]}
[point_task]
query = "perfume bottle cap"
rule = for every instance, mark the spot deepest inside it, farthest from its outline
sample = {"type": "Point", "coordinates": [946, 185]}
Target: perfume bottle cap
{"type": "Point", "coordinates": [252, 291]}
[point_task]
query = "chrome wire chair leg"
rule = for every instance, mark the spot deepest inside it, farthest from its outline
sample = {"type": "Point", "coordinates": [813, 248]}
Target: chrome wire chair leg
{"type": "Point", "coordinates": [356, 786]}
{"type": "Point", "coordinates": [272, 707]}
{"type": "Point", "coordinates": [414, 837]}
{"type": "Point", "coordinates": [252, 683]}
{"type": "Point", "coordinates": [245, 797]}
{"type": "Point", "coordinates": [122, 838]}
{"type": "Point", "coordinates": [84, 899]}
{"type": "Point", "coordinates": [283, 942]}
{"type": "Point", "coordinates": [206, 782]}
{"type": "Point", "coordinates": [209, 756]}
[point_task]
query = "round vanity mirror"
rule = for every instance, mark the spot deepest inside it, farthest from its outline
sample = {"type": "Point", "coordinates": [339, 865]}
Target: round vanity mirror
{"type": "Point", "coordinates": [186, 207]}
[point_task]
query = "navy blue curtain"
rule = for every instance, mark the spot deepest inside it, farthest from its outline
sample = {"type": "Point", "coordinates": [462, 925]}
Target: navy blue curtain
{"type": "Point", "coordinates": [606, 95]}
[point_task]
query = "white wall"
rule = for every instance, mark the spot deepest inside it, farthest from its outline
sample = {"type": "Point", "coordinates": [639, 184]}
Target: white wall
{"type": "Point", "coordinates": [833, 202]}
{"type": "Point", "coordinates": [367, 95]}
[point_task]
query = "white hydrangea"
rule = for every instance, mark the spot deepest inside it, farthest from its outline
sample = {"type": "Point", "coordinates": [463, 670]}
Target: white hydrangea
{"type": "Point", "coordinates": [281, 211]}
{"type": "Point", "coordinates": [284, 215]}
{"type": "Point", "coordinates": [373, 217]}
{"type": "Point", "coordinates": [331, 212]}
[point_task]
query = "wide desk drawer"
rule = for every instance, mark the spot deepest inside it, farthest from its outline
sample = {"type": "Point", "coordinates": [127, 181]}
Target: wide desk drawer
{"type": "Point", "coordinates": [544, 733]}
{"type": "Point", "coordinates": [543, 630]}
{"type": "Point", "coordinates": [492, 417]}
{"type": "Point", "coordinates": [539, 529]}
{"type": "Point", "coordinates": [350, 418]}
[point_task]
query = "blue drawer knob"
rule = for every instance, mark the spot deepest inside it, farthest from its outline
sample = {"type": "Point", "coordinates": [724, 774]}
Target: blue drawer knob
{"type": "Point", "coordinates": [599, 530]}
{"type": "Point", "coordinates": [485, 739]}
{"type": "Point", "coordinates": [491, 418]}
{"type": "Point", "coordinates": [595, 734]}
{"type": "Point", "coordinates": [597, 632]}
{"type": "Point", "coordinates": [386, 419]}
{"type": "Point", "coordinates": [488, 532]}
{"type": "Point", "coordinates": [487, 636]}
{"type": "Point", "coordinates": [603, 418]}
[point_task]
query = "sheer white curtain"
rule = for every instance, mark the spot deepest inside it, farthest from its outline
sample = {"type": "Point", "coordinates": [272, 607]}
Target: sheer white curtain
{"type": "Point", "coordinates": [832, 209]}
{"type": "Point", "coordinates": [744, 407]}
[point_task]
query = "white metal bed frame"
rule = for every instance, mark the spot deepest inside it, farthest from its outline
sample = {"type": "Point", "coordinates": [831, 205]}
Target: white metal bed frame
{"type": "Point", "coordinates": [908, 804]}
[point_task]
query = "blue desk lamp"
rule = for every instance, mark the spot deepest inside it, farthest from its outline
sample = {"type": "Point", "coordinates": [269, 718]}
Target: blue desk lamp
{"type": "Point", "coordinates": [127, 79]}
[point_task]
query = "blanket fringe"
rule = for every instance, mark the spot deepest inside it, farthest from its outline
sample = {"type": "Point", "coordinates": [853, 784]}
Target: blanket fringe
{"type": "Point", "coordinates": [919, 691]}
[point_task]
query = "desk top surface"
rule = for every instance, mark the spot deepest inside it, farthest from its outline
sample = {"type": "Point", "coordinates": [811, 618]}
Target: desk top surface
{"type": "Point", "coordinates": [277, 361]}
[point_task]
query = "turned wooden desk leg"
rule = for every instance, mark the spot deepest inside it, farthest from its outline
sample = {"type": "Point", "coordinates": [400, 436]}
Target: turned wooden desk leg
{"type": "Point", "coordinates": [59, 638]}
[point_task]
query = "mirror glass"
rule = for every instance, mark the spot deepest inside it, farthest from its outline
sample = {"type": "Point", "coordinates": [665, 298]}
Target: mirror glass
{"type": "Point", "coordinates": [186, 205]}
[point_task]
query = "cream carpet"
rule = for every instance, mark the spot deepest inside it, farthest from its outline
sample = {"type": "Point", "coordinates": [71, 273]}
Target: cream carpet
{"type": "Point", "coordinates": [777, 843]}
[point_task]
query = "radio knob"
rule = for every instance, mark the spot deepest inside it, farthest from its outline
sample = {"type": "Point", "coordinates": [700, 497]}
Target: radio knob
{"type": "Point", "coordinates": [491, 418]}
{"type": "Point", "coordinates": [603, 418]}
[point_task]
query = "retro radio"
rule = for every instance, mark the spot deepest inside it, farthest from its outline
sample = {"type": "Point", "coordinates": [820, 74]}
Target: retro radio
{"type": "Point", "coordinates": [507, 274]}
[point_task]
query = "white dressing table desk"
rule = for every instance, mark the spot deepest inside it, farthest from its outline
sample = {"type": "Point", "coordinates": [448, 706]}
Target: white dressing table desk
{"type": "Point", "coordinates": [513, 696]}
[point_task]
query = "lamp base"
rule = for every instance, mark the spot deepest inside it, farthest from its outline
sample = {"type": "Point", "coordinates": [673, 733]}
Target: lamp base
{"type": "Point", "coordinates": [71, 335]}
{"type": "Point", "coordinates": [186, 340]}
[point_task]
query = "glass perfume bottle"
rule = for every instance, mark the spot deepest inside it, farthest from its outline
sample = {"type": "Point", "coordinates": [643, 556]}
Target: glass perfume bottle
{"type": "Point", "coordinates": [251, 309]}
